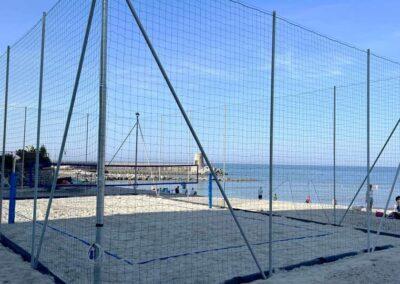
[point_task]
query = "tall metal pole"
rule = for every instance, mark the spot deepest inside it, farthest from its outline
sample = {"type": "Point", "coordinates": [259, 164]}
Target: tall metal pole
{"type": "Point", "coordinates": [3, 158]}
{"type": "Point", "coordinates": [224, 166]}
{"type": "Point", "coordinates": [97, 272]}
{"type": "Point", "coordinates": [23, 150]}
{"type": "Point", "coordinates": [334, 155]}
{"type": "Point", "coordinates": [38, 128]}
{"type": "Point", "coordinates": [136, 150]}
{"type": "Point", "coordinates": [66, 129]}
{"type": "Point", "coordinates": [368, 195]}
{"type": "Point", "coordinates": [271, 143]}
{"type": "Point", "coordinates": [193, 132]}
{"type": "Point", "coordinates": [160, 148]}
{"type": "Point", "coordinates": [87, 138]}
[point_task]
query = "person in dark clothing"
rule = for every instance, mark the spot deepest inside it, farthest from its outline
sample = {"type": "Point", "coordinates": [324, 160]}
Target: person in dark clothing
{"type": "Point", "coordinates": [260, 193]}
{"type": "Point", "coordinates": [396, 210]}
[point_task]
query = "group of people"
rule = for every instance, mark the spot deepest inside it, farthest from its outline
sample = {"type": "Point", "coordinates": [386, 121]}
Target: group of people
{"type": "Point", "coordinates": [176, 190]}
{"type": "Point", "coordinates": [395, 214]}
{"type": "Point", "coordinates": [185, 191]}
{"type": "Point", "coordinates": [260, 194]}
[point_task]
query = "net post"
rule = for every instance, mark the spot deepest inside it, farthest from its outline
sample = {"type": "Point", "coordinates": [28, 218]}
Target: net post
{"type": "Point", "coordinates": [334, 155]}
{"type": "Point", "coordinates": [224, 150]}
{"type": "Point", "coordinates": [3, 158]}
{"type": "Point", "coordinates": [271, 144]}
{"type": "Point", "coordinates": [136, 150]}
{"type": "Point", "coordinates": [66, 129]}
{"type": "Point", "coordinates": [38, 128]}
{"type": "Point", "coordinates": [210, 191]}
{"type": "Point", "coordinates": [87, 138]}
{"type": "Point", "coordinates": [368, 193]}
{"type": "Point", "coordinates": [97, 272]}
{"type": "Point", "coordinates": [23, 150]}
{"type": "Point", "coordinates": [13, 193]}
{"type": "Point", "coordinates": [193, 132]}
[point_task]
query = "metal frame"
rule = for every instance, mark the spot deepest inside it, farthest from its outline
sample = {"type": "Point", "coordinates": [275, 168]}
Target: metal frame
{"type": "Point", "coordinates": [136, 149]}
{"type": "Point", "coordinates": [370, 170]}
{"type": "Point", "coordinates": [3, 158]}
{"type": "Point", "coordinates": [193, 132]}
{"type": "Point", "coordinates": [368, 196]}
{"type": "Point", "coordinates": [23, 150]}
{"type": "Point", "coordinates": [271, 145]}
{"type": "Point", "coordinates": [101, 166]}
{"type": "Point", "coordinates": [66, 129]}
{"type": "Point", "coordinates": [334, 155]}
{"type": "Point", "coordinates": [87, 138]}
{"type": "Point", "coordinates": [37, 154]}
{"type": "Point", "coordinates": [97, 272]}
{"type": "Point", "coordinates": [383, 219]}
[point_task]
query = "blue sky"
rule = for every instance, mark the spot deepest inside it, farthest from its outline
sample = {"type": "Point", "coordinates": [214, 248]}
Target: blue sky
{"type": "Point", "coordinates": [217, 54]}
{"type": "Point", "coordinates": [370, 24]}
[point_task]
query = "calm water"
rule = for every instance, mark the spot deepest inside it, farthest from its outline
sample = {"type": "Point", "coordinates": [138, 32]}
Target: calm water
{"type": "Point", "coordinates": [295, 183]}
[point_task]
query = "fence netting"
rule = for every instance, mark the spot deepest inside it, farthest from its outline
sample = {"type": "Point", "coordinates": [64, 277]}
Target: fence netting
{"type": "Point", "coordinates": [384, 116]}
{"type": "Point", "coordinates": [20, 129]}
{"type": "Point", "coordinates": [165, 218]}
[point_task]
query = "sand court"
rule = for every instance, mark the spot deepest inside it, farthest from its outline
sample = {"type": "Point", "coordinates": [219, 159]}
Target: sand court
{"type": "Point", "coordinates": [151, 239]}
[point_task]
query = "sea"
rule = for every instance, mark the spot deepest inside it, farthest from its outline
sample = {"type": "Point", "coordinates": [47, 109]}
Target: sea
{"type": "Point", "coordinates": [297, 183]}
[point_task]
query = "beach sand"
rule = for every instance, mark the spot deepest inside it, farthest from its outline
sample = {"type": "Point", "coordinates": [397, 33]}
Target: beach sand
{"type": "Point", "coordinates": [179, 239]}
{"type": "Point", "coordinates": [375, 268]}
{"type": "Point", "coordinates": [13, 269]}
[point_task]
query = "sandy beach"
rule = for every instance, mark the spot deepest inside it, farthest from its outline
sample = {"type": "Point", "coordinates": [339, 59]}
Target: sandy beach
{"type": "Point", "coordinates": [15, 270]}
{"type": "Point", "coordinates": [179, 239]}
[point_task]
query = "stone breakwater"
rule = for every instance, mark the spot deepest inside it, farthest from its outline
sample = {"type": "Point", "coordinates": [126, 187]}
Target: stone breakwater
{"type": "Point", "coordinates": [183, 173]}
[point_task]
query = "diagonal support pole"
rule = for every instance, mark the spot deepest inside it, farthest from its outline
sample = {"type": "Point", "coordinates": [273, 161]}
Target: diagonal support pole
{"type": "Point", "coordinates": [370, 170]}
{"type": "Point", "coordinates": [66, 129]}
{"type": "Point", "coordinates": [193, 132]}
{"type": "Point", "coordinates": [383, 219]}
{"type": "Point", "coordinates": [145, 148]}
{"type": "Point", "coordinates": [122, 144]}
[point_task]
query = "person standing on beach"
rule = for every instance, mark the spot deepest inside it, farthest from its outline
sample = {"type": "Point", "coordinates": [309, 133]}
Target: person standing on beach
{"type": "Point", "coordinates": [396, 210]}
{"type": "Point", "coordinates": [260, 193]}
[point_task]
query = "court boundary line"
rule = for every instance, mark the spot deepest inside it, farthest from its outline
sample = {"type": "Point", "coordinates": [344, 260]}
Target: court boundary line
{"type": "Point", "coordinates": [294, 218]}
{"type": "Point", "coordinates": [238, 279]}
{"type": "Point", "coordinates": [316, 261]}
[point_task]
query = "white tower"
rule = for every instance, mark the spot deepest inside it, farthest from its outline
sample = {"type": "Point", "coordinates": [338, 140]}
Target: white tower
{"type": "Point", "coordinates": [198, 160]}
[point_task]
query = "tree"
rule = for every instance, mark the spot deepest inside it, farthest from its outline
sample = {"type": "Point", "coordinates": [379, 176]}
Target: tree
{"type": "Point", "coordinates": [30, 156]}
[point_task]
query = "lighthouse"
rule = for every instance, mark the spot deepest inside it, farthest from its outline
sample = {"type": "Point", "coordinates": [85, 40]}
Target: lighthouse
{"type": "Point", "coordinates": [198, 160]}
